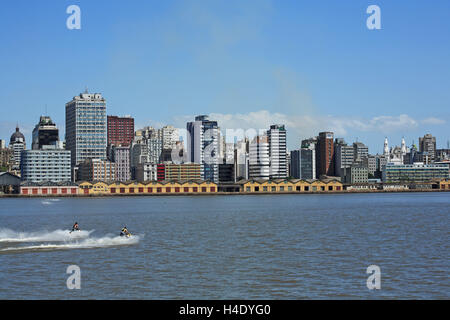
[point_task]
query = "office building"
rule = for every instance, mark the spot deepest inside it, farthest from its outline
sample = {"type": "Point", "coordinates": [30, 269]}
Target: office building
{"type": "Point", "coordinates": [303, 164]}
{"type": "Point", "coordinates": [49, 163]}
{"type": "Point", "coordinates": [120, 130]}
{"type": "Point", "coordinates": [414, 173]}
{"type": "Point", "coordinates": [86, 134]}
{"type": "Point", "coordinates": [203, 146]}
{"type": "Point", "coordinates": [121, 157]}
{"type": "Point", "coordinates": [259, 159]}
{"type": "Point", "coordinates": [344, 157]}
{"type": "Point", "coordinates": [17, 144]}
{"type": "Point", "coordinates": [325, 154]}
{"type": "Point", "coordinates": [241, 159]}
{"type": "Point", "coordinates": [360, 151]}
{"type": "Point", "coordinates": [179, 172]}
{"type": "Point", "coordinates": [96, 170]}
{"type": "Point", "coordinates": [276, 136]}
{"type": "Point", "coordinates": [45, 133]}
{"type": "Point", "coordinates": [428, 144]}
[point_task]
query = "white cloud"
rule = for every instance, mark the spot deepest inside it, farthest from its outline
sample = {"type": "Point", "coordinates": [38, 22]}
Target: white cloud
{"type": "Point", "coordinates": [433, 121]}
{"type": "Point", "coordinates": [303, 126]}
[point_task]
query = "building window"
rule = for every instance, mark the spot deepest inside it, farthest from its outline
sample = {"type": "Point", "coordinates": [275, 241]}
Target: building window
{"type": "Point", "coordinates": [113, 190]}
{"type": "Point", "coordinates": [140, 190]}
{"type": "Point", "coordinates": [158, 190]}
{"type": "Point", "coordinates": [290, 188]}
{"type": "Point", "coordinates": [322, 188]}
{"type": "Point", "coordinates": [248, 189]}
{"type": "Point", "coordinates": [149, 190]}
{"type": "Point", "coordinates": [282, 188]}
{"type": "Point", "coordinates": [64, 190]}
{"type": "Point", "coordinates": [213, 189]}
{"type": "Point", "coordinates": [186, 189]}
{"type": "Point", "coordinates": [338, 188]}
{"type": "Point", "coordinates": [195, 189]}
{"type": "Point", "coordinates": [44, 191]}
{"type": "Point", "coordinates": [264, 188]}
{"type": "Point", "coordinates": [168, 189]}
{"type": "Point", "coordinates": [298, 188]}
{"type": "Point", "coordinates": [256, 189]}
{"type": "Point", "coordinates": [306, 188]}
{"type": "Point", "coordinates": [274, 189]}
{"type": "Point", "coordinates": [131, 190]}
{"type": "Point", "coordinates": [330, 188]}
{"type": "Point", "coordinates": [177, 189]}
{"type": "Point", "coordinates": [122, 190]}
{"type": "Point", "coordinates": [203, 189]}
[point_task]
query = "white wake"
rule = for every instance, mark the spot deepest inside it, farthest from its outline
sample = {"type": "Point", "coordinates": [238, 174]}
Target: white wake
{"type": "Point", "coordinates": [80, 244]}
{"type": "Point", "coordinates": [7, 235]}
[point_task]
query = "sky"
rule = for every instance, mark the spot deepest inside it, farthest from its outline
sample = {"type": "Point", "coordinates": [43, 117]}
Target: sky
{"type": "Point", "coordinates": [311, 65]}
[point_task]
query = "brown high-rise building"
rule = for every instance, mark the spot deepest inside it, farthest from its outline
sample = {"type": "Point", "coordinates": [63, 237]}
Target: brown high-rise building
{"type": "Point", "coordinates": [325, 154]}
{"type": "Point", "coordinates": [120, 130]}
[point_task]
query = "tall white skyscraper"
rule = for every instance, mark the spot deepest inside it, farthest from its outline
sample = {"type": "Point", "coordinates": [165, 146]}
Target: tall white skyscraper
{"type": "Point", "coordinates": [86, 127]}
{"type": "Point", "coordinates": [277, 151]}
{"type": "Point", "coordinates": [203, 146]}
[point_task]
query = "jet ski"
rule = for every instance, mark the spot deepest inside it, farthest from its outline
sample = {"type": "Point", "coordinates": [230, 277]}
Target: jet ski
{"type": "Point", "coordinates": [126, 235]}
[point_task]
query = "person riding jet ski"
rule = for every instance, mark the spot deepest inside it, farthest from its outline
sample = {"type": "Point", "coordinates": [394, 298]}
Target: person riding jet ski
{"type": "Point", "coordinates": [75, 227]}
{"type": "Point", "coordinates": [125, 232]}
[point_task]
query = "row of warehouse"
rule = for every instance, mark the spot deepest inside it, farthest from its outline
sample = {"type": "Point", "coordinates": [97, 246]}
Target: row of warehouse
{"type": "Point", "coordinates": [207, 187]}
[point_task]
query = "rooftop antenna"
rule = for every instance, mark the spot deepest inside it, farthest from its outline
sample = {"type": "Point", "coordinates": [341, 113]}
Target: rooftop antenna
{"type": "Point", "coordinates": [448, 144]}
{"type": "Point", "coordinates": [86, 90]}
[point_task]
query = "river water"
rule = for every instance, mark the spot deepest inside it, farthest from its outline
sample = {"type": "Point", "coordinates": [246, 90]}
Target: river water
{"type": "Point", "coordinates": [227, 247]}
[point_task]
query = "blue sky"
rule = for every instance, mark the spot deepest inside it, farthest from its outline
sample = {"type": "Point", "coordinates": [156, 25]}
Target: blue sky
{"type": "Point", "coordinates": [312, 65]}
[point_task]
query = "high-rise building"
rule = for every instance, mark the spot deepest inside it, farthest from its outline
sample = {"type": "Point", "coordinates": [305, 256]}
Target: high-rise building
{"type": "Point", "coordinates": [121, 157]}
{"type": "Point", "coordinates": [303, 163]}
{"type": "Point", "coordinates": [241, 159]}
{"type": "Point", "coordinates": [361, 151]}
{"type": "Point", "coordinates": [344, 157]}
{"type": "Point", "coordinates": [49, 163]}
{"type": "Point", "coordinates": [170, 137]}
{"type": "Point", "coordinates": [259, 159]}
{"type": "Point", "coordinates": [45, 133]}
{"type": "Point", "coordinates": [86, 134]}
{"type": "Point", "coordinates": [2, 144]}
{"type": "Point", "coordinates": [203, 146]}
{"type": "Point", "coordinates": [120, 130]}
{"type": "Point", "coordinates": [17, 145]}
{"type": "Point", "coordinates": [428, 144]}
{"type": "Point", "coordinates": [277, 151]}
{"type": "Point", "coordinates": [325, 154]}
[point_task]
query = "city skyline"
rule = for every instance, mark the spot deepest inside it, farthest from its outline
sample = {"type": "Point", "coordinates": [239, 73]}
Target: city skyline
{"type": "Point", "coordinates": [246, 67]}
